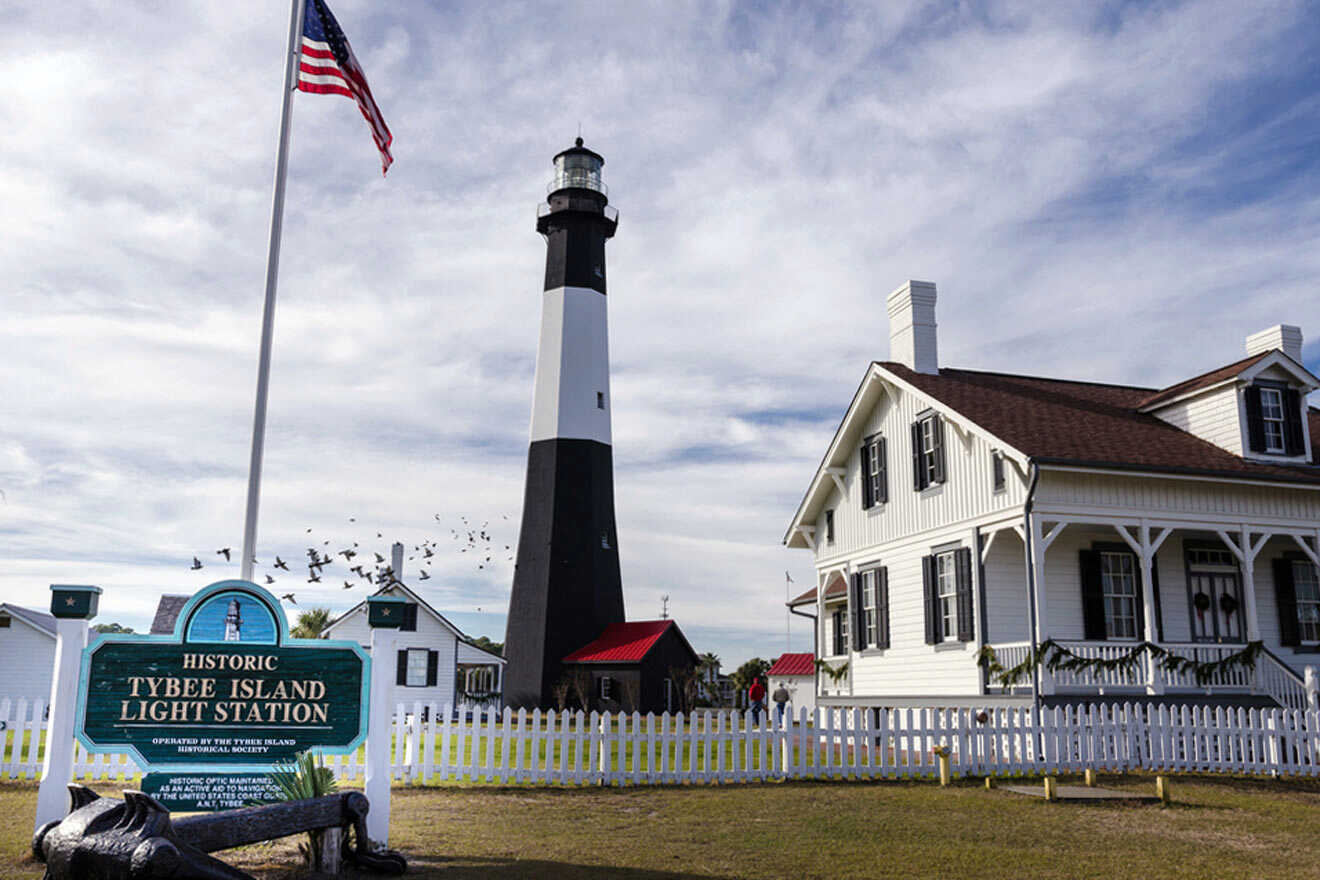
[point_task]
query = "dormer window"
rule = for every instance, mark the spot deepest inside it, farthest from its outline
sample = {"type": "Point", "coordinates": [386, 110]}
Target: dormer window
{"type": "Point", "coordinates": [1274, 419]}
{"type": "Point", "coordinates": [1271, 413]}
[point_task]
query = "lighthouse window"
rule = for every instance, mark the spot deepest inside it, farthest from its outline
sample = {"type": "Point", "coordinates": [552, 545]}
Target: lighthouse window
{"type": "Point", "coordinates": [600, 400]}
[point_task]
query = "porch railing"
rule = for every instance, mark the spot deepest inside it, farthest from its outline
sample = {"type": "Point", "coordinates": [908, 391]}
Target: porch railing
{"type": "Point", "coordinates": [1271, 676]}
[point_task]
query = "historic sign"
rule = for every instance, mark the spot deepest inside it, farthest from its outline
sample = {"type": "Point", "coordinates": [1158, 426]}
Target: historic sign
{"type": "Point", "coordinates": [229, 690]}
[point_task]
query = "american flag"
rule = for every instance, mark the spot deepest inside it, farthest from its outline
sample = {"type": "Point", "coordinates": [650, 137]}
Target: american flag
{"type": "Point", "coordinates": [327, 66]}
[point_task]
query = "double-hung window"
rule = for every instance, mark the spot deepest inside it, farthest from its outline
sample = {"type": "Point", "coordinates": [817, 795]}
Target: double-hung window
{"type": "Point", "coordinates": [997, 471]}
{"type": "Point", "coordinates": [1118, 581]}
{"type": "Point", "coordinates": [1307, 589]}
{"type": "Point", "coordinates": [946, 579]}
{"type": "Point", "coordinates": [870, 611]}
{"type": "Point", "coordinates": [927, 452]}
{"type": "Point", "coordinates": [875, 474]}
{"type": "Point", "coordinates": [416, 676]}
{"type": "Point", "coordinates": [840, 621]}
{"type": "Point", "coordinates": [1271, 414]}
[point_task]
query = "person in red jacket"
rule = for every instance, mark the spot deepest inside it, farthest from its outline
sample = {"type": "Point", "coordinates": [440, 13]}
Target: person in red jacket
{"type": "Point", "coordinates": [756, 696]}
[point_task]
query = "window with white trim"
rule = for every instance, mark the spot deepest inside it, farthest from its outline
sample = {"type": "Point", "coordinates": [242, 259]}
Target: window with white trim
{"type": "Point", "coordinates": [1307, 588]}
{"type": "Point", "coordinates": [416, 667]}
{"type": "Point", "coordinates": [870, 611]}
{"type": "Point", "coordinates": [840, 621]}
{"type": "Point", "coordinates": [929, 449]}
{"type": "Point", "coordinates": [1118, 580]}
{"type": "Point", "coordinates": [875, 478]}
{"type": "Point", "coordinates": [946, 579]}
{"type": "Point", "coordinates": [1271, 413]}
{"type": "Point", "coordinates": [997, 471]}
{"type": "Point", "coordinates": [606, 684]}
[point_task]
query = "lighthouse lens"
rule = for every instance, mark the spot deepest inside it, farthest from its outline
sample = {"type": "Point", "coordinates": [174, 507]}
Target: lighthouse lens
{"type": "Point", "coordinates": [577, 170]}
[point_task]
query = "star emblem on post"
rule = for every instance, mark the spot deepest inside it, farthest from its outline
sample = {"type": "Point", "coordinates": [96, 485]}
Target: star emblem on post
{"type": "Point", "coordinates": [69, 601]}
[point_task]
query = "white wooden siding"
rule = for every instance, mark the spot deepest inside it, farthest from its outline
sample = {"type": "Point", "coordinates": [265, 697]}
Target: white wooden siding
{"type": "Point", "coordinates": [27, 659]}
{"type": "Point", "coordinates": [967, 492]}
{"type": "Point", "coordinates": [430, 634]}
{"type": "Point", "coordinates": [1006, 604]}
{"type": "Point", "coordinates": [1213, 416]}
{"type": "Point", "coordinates": [1101, 493]}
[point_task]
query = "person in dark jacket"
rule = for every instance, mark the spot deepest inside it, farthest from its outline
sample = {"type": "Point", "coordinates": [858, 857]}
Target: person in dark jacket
{"type": "Point", "coordinates": [756, 696]}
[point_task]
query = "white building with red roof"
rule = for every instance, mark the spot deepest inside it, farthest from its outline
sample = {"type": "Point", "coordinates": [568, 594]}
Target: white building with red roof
{"type": "Point", "coordinates": [1150, 528]}
{"type": "Point", "coordinates": [797, 674]}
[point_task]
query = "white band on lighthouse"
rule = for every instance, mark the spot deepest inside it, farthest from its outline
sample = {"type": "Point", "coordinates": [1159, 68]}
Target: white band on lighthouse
{"type": "Point", "coordinates": [572, 398]}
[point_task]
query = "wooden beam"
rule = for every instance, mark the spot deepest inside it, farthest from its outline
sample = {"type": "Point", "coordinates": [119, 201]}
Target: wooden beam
{"type": "Point", "coordinates": [989, 541]}
{"type": "Point", "coordinates": [1306, 548]}
{"type": "Point", "coordinates": [837, 474]}
{"type": "Point", "coordinates": [1048, 539]}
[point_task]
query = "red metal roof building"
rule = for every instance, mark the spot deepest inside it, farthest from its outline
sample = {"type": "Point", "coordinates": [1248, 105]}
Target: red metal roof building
{"type": "Point", "coordinates": [793, 664]}
{"type": "Point", "coordinates": [642, 665]}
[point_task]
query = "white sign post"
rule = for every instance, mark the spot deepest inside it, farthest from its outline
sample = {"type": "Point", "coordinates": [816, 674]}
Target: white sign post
{"type": "Point", "coordinates": [72, 606]}
{"type": "Point", "coordinates": [384, 615]}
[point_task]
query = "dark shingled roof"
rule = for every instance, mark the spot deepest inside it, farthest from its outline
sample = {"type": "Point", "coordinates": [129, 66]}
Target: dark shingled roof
{"type": "Point", "coordinates": [167, 612]}
{"type": "Point", "coordinates": [1205, 380]}
{"type": "Point", "coordinates": [36, 618]}
{"type": "Point", "coordinates": [1056, 421]}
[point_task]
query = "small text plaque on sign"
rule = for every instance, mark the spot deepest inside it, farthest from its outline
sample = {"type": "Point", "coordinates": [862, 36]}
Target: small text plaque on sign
{"type": "Point", "coordinates": [205, 792]}
{"type": "Point", "coordinates": [228, 691]}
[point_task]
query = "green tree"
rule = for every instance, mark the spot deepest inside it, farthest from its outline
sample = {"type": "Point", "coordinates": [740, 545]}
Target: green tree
{"type": "Point", "coordinates": [311, 623]}
{"type": "Point", "coordinates": [486, 644]}
{"type": "Point", "coordinates": [744, 675]}
{"type": "Point", "coordinates": [111, 628]}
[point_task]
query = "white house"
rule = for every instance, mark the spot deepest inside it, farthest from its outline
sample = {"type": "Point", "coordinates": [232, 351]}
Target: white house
{"type": "Point", "coordinates": [435, 661]}
{"type": "Point", "coordinates": [956, 509]}
{"type": "Point", "coordinates": [27, 653]}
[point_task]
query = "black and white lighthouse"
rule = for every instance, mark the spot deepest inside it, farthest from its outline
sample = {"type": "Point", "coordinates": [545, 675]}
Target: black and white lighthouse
{"type": "Point", "coordinates": [566, 587]}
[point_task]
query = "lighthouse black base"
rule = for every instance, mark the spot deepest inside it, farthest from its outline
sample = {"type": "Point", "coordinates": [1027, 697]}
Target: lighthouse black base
{"type": "Point", "coordinates": [566, 587]}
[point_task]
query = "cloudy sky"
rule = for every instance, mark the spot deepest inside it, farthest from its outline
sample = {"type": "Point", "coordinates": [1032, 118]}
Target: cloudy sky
{"type": "Point", "coordinates": [1118, 192]}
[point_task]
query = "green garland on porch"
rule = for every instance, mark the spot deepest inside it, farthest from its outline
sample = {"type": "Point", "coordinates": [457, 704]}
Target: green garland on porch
{"type": "Point", "coordinates": [836, 674]}
{"type": "Point", "coordinates": [1053, 656]}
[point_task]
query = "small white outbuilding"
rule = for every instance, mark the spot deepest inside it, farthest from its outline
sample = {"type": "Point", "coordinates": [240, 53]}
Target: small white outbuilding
{"type": "Point", "coordinates": [27, 653]}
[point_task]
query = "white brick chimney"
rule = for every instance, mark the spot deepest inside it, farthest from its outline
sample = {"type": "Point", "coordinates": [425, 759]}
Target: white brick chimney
{"type": "Point", "coordinates": [912, 327]}
{"type": "Point", "coordinates": [1281, 336]}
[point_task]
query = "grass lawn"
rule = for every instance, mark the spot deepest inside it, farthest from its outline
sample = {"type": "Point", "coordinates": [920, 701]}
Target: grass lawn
{"type": "Point", "coordinates": [1218, 827]}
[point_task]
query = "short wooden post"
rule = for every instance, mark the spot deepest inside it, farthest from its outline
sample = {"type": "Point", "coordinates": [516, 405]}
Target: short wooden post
{"type": "Point", "coordinates": [989, 783]}
{"type": "Point", "coordinates": [1051, 788]}
{"type": "Point", "coordinates": [1162, 789]}
{"type": "Point", "coordinates": [332, 841]}
{"type": "Point", "coordinates": [942, 754]}
{"type": "Point", "coordinates": [1089, 777]}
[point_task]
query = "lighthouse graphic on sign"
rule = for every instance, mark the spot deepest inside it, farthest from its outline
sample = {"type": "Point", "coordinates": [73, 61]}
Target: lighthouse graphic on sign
{"type": "Point", "coordinates": [233, 622]}
{"type": "Point", "coordinates": [566, 586]}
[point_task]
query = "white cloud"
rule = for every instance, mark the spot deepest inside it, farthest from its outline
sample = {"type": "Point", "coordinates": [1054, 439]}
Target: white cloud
{"type": "Point", "coordinates": [1057, 169]}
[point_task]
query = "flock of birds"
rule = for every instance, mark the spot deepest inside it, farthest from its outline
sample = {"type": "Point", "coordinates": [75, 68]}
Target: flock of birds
{"type": "Point", "coordinates": [373, 567]}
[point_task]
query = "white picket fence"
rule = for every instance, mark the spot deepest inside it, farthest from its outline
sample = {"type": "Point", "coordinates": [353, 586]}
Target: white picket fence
{"type": "Point", "coordinates": [433, 745]}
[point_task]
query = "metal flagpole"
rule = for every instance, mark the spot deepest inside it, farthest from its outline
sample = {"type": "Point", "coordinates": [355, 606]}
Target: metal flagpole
{"type": "Point", "coordinates": [272, 274]}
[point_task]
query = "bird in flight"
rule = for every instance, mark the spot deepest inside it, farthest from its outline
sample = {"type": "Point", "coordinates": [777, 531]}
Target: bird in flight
{"type": "Point", "coordinates": [347, 554]}
{"type": "Point", "coordinates": [424, 576]}
{"type": "Point", "coordinates": [269, 579]}
{"type": "Point", "coordinates": [280, 563]}
{"type": "Point", "coordinates": [197, 563]}
{"type": "Point", "coordinates": [313, 577]}
{"type": "Point", "coordinates": [289, 596]}
{"type": "Point", "coordinates": [224, 552]}
{"type": "Point", "coordinates": [347, 585]}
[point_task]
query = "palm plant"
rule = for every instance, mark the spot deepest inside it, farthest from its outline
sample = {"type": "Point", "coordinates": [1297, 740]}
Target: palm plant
{"type": "Point", "coordinates": [311, 623]}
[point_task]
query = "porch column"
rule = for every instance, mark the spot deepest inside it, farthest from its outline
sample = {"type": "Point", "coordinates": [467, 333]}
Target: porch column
{"type": "Point", "coordinates": [852, 622]}
{"type": "Point", "coordinates": [1246, 551]}
{"type": "Point", "coordinates": [1037, 543]}
{"type": "Point", "coordinates": [1145, 547]}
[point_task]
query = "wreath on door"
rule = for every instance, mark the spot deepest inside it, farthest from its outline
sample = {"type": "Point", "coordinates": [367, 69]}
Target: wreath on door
{"type": "Point", "coordinates": [1201, 601]}
{"type": "Point", "coordinates": [1228, 604]}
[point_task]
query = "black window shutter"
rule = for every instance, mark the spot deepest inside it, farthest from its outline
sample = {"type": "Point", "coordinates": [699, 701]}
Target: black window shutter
{"type": "Point", "coordinates": [1155, 597]}
{"type": "Point", "coordinates": [937, 430]}
{"type": "Point", "coordinates": [1293, 441]}
{"type": "Point", "coordinates": [1093, 596]}
{"type": "Point", "coordinates": [432, 667]}
{"type": "Point", "coordinates": [882, 452]}
{"type": "Point", "coordinates": [409, 618]}
{"type": "Point", "coordinates": [1255, 421]}
{"type": "Point", "coordinates": [1285, 596]}
{"type": "Point", "coordinates": [882, 607]}
{"type": "Point", "coordinates": [838, 633]}
{"type": "Point", "coordinates": [918, 470]}
{"type": "Point", "coordinates": [858, 615]}
{"type": "Point", "coordinates": [401, 669]}
{"type": "Point", "coordinates": [934, 632]}
{"type": "Point", "coordinates": [966, 626]}
{"type": "Point", "coordinates": [867, 499]}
